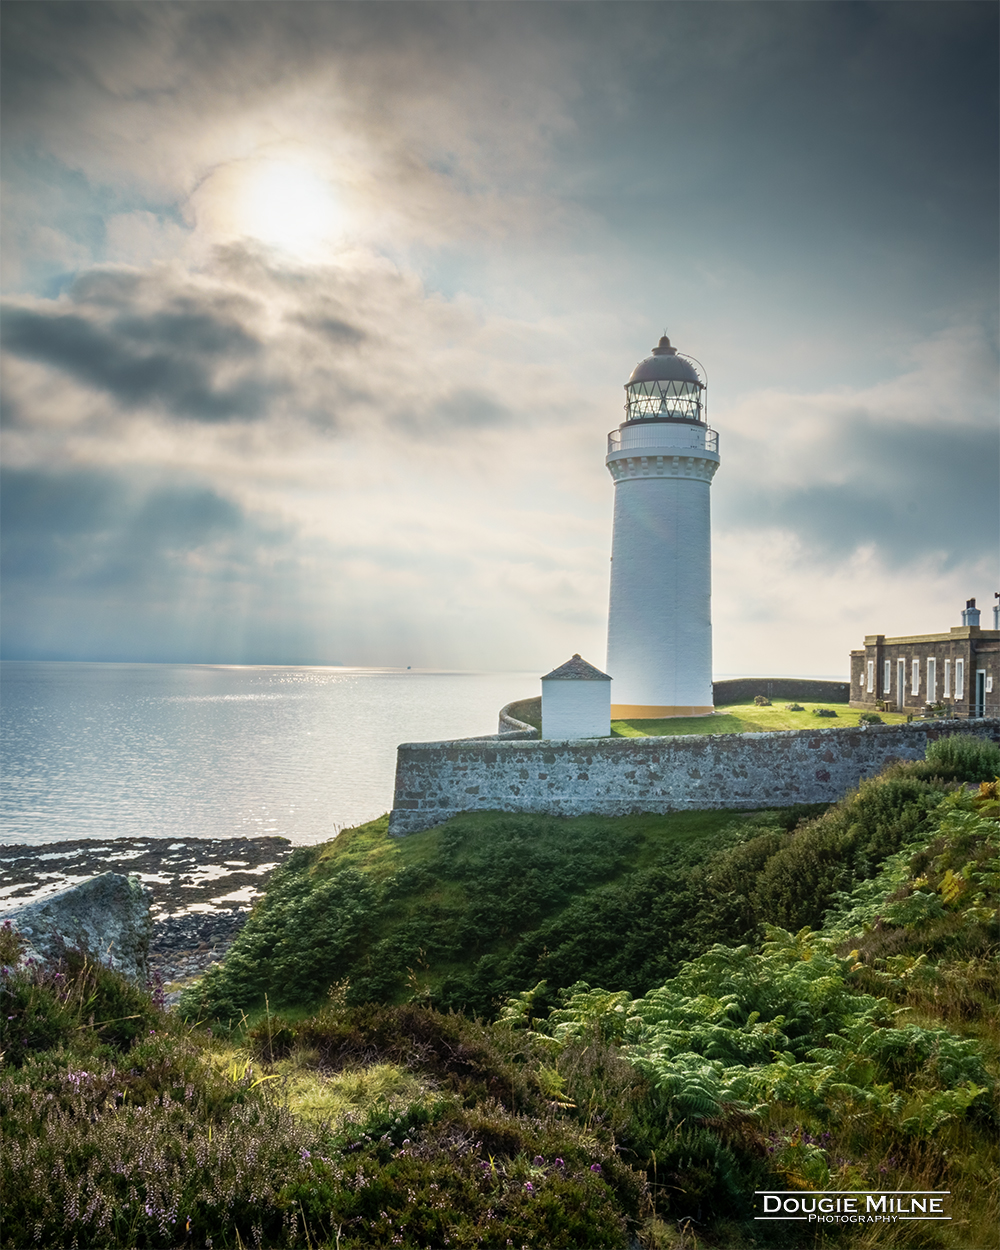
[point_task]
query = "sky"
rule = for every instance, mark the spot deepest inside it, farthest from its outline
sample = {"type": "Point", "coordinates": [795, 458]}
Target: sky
{"type": "Point", "coordinates": [316, 317]}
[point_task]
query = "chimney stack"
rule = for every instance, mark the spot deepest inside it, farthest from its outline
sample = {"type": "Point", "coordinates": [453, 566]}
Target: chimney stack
{"type": "Point", "coordinates": [970, 615]}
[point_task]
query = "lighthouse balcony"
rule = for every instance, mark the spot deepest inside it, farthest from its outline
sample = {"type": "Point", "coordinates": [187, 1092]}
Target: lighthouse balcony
{"type": "Point", "coordinates": [663, 434]}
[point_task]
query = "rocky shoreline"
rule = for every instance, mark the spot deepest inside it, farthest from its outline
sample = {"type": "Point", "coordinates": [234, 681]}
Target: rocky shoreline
{"type": "Point", "coordinates": [202, 888]}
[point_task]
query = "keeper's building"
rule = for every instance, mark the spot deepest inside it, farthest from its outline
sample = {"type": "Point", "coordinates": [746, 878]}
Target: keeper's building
{"type": "Point", "coordinates": [959, 670]}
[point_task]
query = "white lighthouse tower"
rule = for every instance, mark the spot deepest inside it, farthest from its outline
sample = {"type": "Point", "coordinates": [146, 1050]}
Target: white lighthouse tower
{"type": "Point", "coordinates": [663, 458]}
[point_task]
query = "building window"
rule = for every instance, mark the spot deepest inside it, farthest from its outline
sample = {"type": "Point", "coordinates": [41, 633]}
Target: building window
{"type": "Point", "coordinates": [959, 679]}
{"type": "Point", "coordinates": [887, 677]}
{"type": "Point", "coordinates": [932, 681]}
{"type": "Point", "coordinates": [947, 679]}
{"type": "Point", "coordinates": [871, 676]}
{"type": "Point", "coordinates": [861, 678]}
{"type": "Point", "coordinates": [915, 679]}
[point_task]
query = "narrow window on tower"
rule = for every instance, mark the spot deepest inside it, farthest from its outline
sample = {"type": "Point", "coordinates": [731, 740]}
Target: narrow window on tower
{"type": "Point", "coordinates": [947, 679]}
{"type": "Point", "coordinates": [871, 676]}
{"type": "Point", "coordinates": [959, 679]}
{"type": "Point", "coordinates": [932, 681]}
{"type": "Point", "coordinates": [887, 677]}
{"type": "Point", "coordinates": [915, 678]}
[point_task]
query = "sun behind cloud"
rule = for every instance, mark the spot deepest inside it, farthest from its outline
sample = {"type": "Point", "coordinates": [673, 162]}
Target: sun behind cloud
{"type": "Point", "coordinates": [285, 204]}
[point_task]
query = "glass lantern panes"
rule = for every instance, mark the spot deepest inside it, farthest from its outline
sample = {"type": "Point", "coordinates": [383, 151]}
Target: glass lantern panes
{"type": "Point", "coordinates": [678, 401]}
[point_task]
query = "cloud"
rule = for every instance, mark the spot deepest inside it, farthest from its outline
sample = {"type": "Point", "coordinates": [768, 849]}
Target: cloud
{"type": "Point", "coordinates": [391, 448]}
{"type": "Point", "coordinates": [906, 467]}
{"type": "Point", "coordinates": [411, 484]}
{"type": "Point", "coordinates": [899, 491]}
{"type": "Point", "coordinates": [360, 347]}
{"type": "Point", "coordinates": [101, 564]}
{"type": "Point", "coordinates": [158, 339]}
{"type": "Point", "coordinates": [98, 530]}
{"type": "Point", "coordinates": [141, 237]}
{"type": "Point", "coordinates": [779, 609]}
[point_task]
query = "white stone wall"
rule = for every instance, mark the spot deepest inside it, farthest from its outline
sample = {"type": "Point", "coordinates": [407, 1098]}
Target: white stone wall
{"type": "Point", "coordinates": [615, 776]}
{"type": "Point", "coordinates": [576, 709]}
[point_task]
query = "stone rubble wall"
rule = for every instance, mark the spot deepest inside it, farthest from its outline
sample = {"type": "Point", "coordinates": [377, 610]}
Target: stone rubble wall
{"type": "Point", "coordinates": [617, 776]}
{"type": "Point", "coordinates": [509, 724]}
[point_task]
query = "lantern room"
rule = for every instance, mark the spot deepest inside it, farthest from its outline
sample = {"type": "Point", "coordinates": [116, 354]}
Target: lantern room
{"type": "Point", "coordinates": [664, 387]}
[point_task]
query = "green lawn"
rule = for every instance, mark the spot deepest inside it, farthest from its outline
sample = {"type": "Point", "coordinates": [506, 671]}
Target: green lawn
{"type": "Point", "coordinates": [737, 718]}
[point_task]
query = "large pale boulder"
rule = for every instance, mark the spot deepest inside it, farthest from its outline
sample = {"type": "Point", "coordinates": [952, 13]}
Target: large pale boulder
{"type": "Point", "coordinates": [108, 916]}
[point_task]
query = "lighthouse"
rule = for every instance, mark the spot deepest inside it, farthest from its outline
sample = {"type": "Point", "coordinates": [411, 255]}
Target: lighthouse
{"type": "Point", "coordinates": [662, 458]}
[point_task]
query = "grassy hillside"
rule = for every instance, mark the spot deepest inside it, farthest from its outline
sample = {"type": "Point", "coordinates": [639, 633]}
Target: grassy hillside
{"type": "Point", "coordinates": [463, 915]}
{"type": "Point", "coordinates": [847, 1041]}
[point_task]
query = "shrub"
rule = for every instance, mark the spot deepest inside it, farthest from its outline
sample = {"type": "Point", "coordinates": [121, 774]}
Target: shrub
{"type": "Point", "coordinates": [963, 757]}
{"type": "Point", "coordinates": [11, 944]}
{"type": "Point", "coordinates": [796, 885]}
{"type": "Point", "coordinates": [761, 700]}
{"type": "Point", "coordinates": [870, 718]}
{"type": "Point", "coordinates": [824, 711]}
{"type": "Point", "coordinates": [47, 1006]}
{"type": "Point", "coordinates": [794, 707]}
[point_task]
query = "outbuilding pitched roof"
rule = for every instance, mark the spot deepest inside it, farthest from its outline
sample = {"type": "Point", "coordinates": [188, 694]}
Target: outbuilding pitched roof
{"type": "Point", "coordinates": [576, 670]}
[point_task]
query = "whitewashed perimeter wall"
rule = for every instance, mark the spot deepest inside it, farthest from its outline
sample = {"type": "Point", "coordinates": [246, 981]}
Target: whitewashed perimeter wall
{"type": "Point", "coordinates": [615, 776]}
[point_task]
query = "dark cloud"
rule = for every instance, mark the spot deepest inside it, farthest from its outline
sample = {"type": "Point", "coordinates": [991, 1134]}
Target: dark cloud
{"type": "Point", "coordinates": [251, 340]}
{"type": "Point", "coordinates": [100, 565]}
{"type": "Point", "coordinates": [332, 328]}
{"type": "Point", "coordinates": [97, 529]}
{"type": "Point", "coordinates": [169, 357]}
{"type": "Point", "coordinates": [906, 491]}
{"type": "Point", "coordinates": [468, 406]}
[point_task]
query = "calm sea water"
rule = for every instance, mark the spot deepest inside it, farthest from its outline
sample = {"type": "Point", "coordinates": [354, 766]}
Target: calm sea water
{"type": "Point", "coordinates": [167, 750]}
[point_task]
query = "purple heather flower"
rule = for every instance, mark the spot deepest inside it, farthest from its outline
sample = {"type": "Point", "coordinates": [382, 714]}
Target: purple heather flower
{"type": "Point", "coordinates": [595, 1167]}
{"type": "Point", "coordinates": [529, 1187]}
{"type": "Point", "coordinates": [560, 1163]}
{"type": "Point", "coordinates": [538, 1161]}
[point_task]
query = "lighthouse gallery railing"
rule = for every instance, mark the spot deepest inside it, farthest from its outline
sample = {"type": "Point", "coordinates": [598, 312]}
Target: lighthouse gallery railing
{"type": "Point", "coordinates": [679, 439]}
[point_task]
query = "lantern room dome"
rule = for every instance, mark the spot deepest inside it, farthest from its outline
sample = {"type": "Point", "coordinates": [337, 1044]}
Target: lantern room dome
{"type": "Point", "coordinates": [664, 365]}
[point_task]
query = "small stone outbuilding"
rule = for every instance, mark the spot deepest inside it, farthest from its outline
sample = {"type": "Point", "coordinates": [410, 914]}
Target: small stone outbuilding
{"type": "Point", "coordinates": [576, 701]}
{"type": "Point", "coordinates": [958, 670]}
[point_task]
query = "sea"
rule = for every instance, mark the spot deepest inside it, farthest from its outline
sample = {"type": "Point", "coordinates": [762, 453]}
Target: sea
{"type": "Point", "coordinates": [93, 750]}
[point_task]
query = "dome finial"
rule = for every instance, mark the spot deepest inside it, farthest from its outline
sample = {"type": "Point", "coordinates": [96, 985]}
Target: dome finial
{"type": "Point", "coordinates": [663, 348]}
